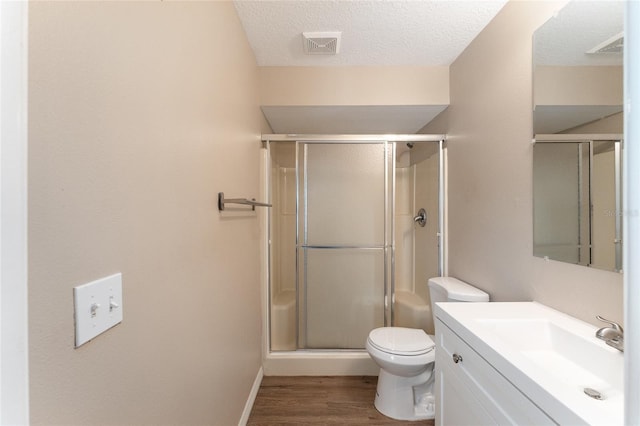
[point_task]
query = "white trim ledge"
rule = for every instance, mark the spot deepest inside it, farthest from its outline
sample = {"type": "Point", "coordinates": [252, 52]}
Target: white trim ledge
{"type": "Point", "coordinates": [293, 137]}
{"type": "Point", "coordinates": [631, 211]}
{"type": "Point", "coordinates": [14, 357]}
{"type": "Point", "coordinates": [577, 137]}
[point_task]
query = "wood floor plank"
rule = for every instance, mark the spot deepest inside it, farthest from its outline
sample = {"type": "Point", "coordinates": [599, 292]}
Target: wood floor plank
{"type": "Point", "coordinates": [339, 400]}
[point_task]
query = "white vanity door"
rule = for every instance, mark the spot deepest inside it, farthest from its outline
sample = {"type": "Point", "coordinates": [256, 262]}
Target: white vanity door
{"type": "Point", "coordinates": [472, 392]}
{"type": "Point", "coordinates": [456, 404]}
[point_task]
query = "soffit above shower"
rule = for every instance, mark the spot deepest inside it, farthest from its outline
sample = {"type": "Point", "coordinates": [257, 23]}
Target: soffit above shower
{"type": "Point", "coordinates": [400, 119]}
{"type": "Point", "coordinates": [391, 34]}
{"type": "Point", "coordinates": [374, 33]}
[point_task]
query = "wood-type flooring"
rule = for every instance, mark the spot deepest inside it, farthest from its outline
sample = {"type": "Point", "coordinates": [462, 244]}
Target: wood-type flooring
{"type": "Point", "coordinates": [320, 401]}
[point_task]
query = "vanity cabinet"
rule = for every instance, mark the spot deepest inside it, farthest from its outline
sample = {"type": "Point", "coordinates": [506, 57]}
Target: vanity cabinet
{"type": "Point", "coordinates": [470, 391]}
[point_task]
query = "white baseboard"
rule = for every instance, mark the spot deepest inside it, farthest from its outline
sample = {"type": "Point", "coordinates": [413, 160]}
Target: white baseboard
{"type": "Point", "coordinates": [251, 399]}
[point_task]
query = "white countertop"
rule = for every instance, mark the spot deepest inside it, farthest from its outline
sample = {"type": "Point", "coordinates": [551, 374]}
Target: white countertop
{"type": "Point", "coordinates": [550, 356]}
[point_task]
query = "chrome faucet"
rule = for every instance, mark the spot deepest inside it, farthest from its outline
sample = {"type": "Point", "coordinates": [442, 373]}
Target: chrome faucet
{"type": "Point", "coordinates": [613, 335]}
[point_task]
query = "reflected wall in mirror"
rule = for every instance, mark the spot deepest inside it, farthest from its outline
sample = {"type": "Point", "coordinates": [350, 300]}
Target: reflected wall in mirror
{"type": "Point", "coordinates": [578, 94]}
{"type": "Point", "coordinates": [578, 69]}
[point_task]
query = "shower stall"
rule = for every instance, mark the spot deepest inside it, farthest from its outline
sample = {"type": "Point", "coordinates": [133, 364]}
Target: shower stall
{"type": "Point", "coordinates": [348, 243]}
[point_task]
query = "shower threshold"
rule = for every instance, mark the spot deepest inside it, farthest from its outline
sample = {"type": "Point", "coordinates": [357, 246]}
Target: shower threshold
{"type": "Point", "coordinates": [323, 362]}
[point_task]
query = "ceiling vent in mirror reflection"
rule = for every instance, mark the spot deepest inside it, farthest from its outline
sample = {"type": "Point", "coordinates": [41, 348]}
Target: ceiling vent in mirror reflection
{"type": "Point", "coordinates": [321, 43]}
{"type": "Point", "coordinates": [579, 28]}
{"type": "Point", "coordinates": [613, 44]}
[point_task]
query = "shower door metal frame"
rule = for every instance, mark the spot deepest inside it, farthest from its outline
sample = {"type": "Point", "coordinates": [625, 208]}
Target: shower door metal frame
{"type": "Point", "coordinates": [389, 273]}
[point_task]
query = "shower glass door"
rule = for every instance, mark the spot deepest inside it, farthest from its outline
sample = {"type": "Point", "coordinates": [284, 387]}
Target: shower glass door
{"type": "Point", "coordinates": [345, 194]}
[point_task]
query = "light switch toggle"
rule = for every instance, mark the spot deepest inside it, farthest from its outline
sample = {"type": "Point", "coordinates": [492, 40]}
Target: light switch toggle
{"type": "Point", "coordinates": [112, 305]}
{"type": "Point", "coordinates": [94, 309]}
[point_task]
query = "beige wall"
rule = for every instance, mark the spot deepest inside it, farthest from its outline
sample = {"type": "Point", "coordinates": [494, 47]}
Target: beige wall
{"type": "Point", "coordinates": [354, 85]}
{"type": "Point", "coordinates": [490, 176]}
{"type": "Point", "coordinates": [139, 114]}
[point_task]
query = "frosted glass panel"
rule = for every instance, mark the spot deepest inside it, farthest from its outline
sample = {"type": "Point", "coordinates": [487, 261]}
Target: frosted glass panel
{"type": "Point", "coordinates": [344, 296]}
{"type": "Point", "coordinates": [345, 194]}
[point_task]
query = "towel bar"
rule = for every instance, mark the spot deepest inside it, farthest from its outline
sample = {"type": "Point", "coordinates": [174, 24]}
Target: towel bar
{"type": "Point", "coordinates": [253, 203]}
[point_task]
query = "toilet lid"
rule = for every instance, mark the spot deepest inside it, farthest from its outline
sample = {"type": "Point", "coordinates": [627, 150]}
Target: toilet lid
{"type": "Point", "coordinates": [401, 341]}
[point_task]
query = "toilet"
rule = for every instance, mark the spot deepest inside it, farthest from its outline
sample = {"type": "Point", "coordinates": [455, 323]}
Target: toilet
{"type": "Point", "coordinates": [406, 357]}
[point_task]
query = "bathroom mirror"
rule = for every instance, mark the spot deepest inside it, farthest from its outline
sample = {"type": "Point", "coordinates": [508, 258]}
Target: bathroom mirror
{"type": "Point", "coordinates": [578, 126]}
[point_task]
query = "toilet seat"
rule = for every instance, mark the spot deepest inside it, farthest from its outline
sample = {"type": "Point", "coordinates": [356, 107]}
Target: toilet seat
{"type": "Point", "coordinates": [401, 341]}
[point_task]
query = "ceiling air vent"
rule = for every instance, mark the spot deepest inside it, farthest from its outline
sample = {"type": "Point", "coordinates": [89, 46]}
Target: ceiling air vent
{"type": "Point", "coordinates": [614, 44]}
{"type": "Point", "coordinates": [321, 43]}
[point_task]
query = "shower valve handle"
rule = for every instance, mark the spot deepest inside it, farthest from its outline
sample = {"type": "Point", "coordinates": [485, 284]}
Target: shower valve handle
{"type": "Point", "coordinates": [421, 218]}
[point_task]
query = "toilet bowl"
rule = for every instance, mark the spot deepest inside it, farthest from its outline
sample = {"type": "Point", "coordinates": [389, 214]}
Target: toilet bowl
{"type": "Point", "coordinates": [406, 357]}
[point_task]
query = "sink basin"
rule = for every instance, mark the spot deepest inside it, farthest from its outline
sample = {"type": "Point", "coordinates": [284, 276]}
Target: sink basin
{"type": "Point", "coordinates": [570, 358]}
{"type": "Point", "coordinates": [549, 355]}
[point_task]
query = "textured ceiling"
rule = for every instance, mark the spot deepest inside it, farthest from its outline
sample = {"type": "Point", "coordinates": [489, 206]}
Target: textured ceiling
{"type": "Point", "coordinates": [374, 33]}
{"type": "Point", "coordinates": [577, 28]}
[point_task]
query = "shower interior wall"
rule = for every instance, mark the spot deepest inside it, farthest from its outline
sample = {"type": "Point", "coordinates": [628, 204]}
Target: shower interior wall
{"type": "Point", "coordinates": [416, 248]}
{"type": "Point", "coordinates": [283, 306]}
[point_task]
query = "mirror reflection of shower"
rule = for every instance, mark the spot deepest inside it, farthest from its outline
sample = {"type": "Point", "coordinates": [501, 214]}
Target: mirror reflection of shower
{"type": "Point", "coordinates": [346, 254]}
{"type": "Point", "coordinates": [577, 200]}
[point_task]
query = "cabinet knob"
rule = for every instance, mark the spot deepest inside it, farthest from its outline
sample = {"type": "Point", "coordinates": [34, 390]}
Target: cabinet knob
{"type": "Point", "coordinates": [457, 358]}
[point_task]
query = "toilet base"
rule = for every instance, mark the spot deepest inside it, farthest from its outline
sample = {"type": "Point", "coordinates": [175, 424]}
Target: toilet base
{"type": "Point", "coordinates": [406, 398]}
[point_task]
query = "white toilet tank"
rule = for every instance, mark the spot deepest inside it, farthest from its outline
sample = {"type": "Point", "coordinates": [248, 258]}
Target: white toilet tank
{"type": "Point", "coordinates": [449, 289]}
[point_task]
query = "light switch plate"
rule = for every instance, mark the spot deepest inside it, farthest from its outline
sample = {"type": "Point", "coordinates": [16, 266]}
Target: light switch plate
{"type": "Point", "coordinates": [98, 307]}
